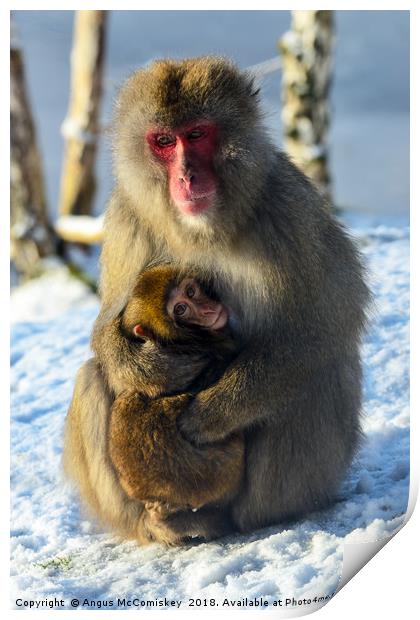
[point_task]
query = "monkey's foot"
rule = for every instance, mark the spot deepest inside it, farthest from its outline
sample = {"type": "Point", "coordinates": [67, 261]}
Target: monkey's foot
{"type": "Point", "coordinates": [160, 510]}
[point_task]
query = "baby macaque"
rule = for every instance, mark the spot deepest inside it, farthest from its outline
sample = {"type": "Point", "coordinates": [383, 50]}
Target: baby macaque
{"type": "Point", "coordinates": [179, 342]}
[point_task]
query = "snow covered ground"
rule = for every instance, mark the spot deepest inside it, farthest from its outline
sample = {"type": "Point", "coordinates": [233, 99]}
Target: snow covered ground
{"type": "Point", "coordinates": [58, 552]}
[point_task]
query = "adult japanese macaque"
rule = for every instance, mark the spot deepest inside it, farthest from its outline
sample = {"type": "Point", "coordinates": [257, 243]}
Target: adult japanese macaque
{"type": "Point", "coordinates": [172, 326]}
{"type": "Point", "coordinates": [199, 184]}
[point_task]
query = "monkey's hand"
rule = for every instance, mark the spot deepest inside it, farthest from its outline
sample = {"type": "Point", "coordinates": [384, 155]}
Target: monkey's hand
{"type": "Point", "coordinates": [171, 406]}
{"type": "Point", "coordinates": [234, 402]}
{"type": "Point", "coordinates": [260, 383]}
{"type": "Point", "coordinates": [201, 422]}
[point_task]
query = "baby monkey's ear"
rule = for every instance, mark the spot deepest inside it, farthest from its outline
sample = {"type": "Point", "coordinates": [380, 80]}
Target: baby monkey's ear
{"type": "Point", "coordinates": [139, 331]}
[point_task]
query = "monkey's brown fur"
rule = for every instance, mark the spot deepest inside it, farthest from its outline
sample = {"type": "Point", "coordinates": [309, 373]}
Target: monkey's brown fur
{"type": "Point", "coordinates": [280, 261]}
{"type": "Point", "coordinates": [156, 464]}
{"type": "Point", "coordinates": [153, 460]}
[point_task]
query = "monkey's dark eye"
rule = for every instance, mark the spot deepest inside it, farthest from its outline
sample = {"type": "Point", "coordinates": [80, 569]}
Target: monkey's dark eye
{"type": "Point", "coordinates": [195, 134]}
{"type": "Point", "coordinates": [190, 291]}
{"type": "Point", "coordinates": [180, 309]}
{"type": "Point", "coordinates": [165, 140]}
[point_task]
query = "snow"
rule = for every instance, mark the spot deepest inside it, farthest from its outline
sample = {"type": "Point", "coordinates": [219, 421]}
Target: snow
{"type": "Point", "coordinates": [49, 296]}
{"type": "Point", "coordinates": [79, 227]}
{"type": "Point", "coordinates": [57, 551]}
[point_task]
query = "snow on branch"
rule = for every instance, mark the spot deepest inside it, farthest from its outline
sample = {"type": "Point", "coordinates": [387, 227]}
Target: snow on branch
{"type": "Point", "coordinates": [80, 228]}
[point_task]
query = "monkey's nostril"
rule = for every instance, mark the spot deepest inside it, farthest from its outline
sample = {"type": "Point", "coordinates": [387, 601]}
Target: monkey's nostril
{"type": "Point", "coordinates": [187, 177]}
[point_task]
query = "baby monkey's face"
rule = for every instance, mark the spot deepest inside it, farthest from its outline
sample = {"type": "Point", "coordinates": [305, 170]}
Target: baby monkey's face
{"type": "Point", "coordinates": [190, 304]}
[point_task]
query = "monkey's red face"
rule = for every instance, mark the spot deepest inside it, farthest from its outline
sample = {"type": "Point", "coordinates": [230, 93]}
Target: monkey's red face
{"type": "Point", "coordinates": [188, 156]}
{"type": "Point", "coordinates": [190, 303]}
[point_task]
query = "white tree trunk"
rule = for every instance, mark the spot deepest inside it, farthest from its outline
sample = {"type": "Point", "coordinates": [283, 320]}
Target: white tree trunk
{"type": "Point", "coordinates": [81, 127]}
{"type": "Point", "coordinates": [307, 70]}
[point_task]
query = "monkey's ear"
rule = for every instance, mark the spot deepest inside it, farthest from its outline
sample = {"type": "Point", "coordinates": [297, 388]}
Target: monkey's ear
{"type": "Point", "coordinates": [253, 90]}
{"type": "Point", "coordinates": [139, 331]}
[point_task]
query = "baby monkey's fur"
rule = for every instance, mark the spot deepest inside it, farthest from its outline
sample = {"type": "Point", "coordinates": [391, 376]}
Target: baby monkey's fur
{"type": "Point", "coordinates": [154, 462]}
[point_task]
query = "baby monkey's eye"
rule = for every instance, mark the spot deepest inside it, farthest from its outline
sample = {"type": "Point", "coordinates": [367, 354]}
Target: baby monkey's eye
{"type": "Point", "coordinates": [180, 309]}
{"type": "Point", "coordinates": [190, 291]}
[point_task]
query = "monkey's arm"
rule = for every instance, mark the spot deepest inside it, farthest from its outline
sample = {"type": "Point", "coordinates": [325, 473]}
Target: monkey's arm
{"type": "Point", "coordinates": [262, 382]}
{"type": "Point", "coordinates": [126, 251]}
{"type": "Point", "coordinates": [85, 456]}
